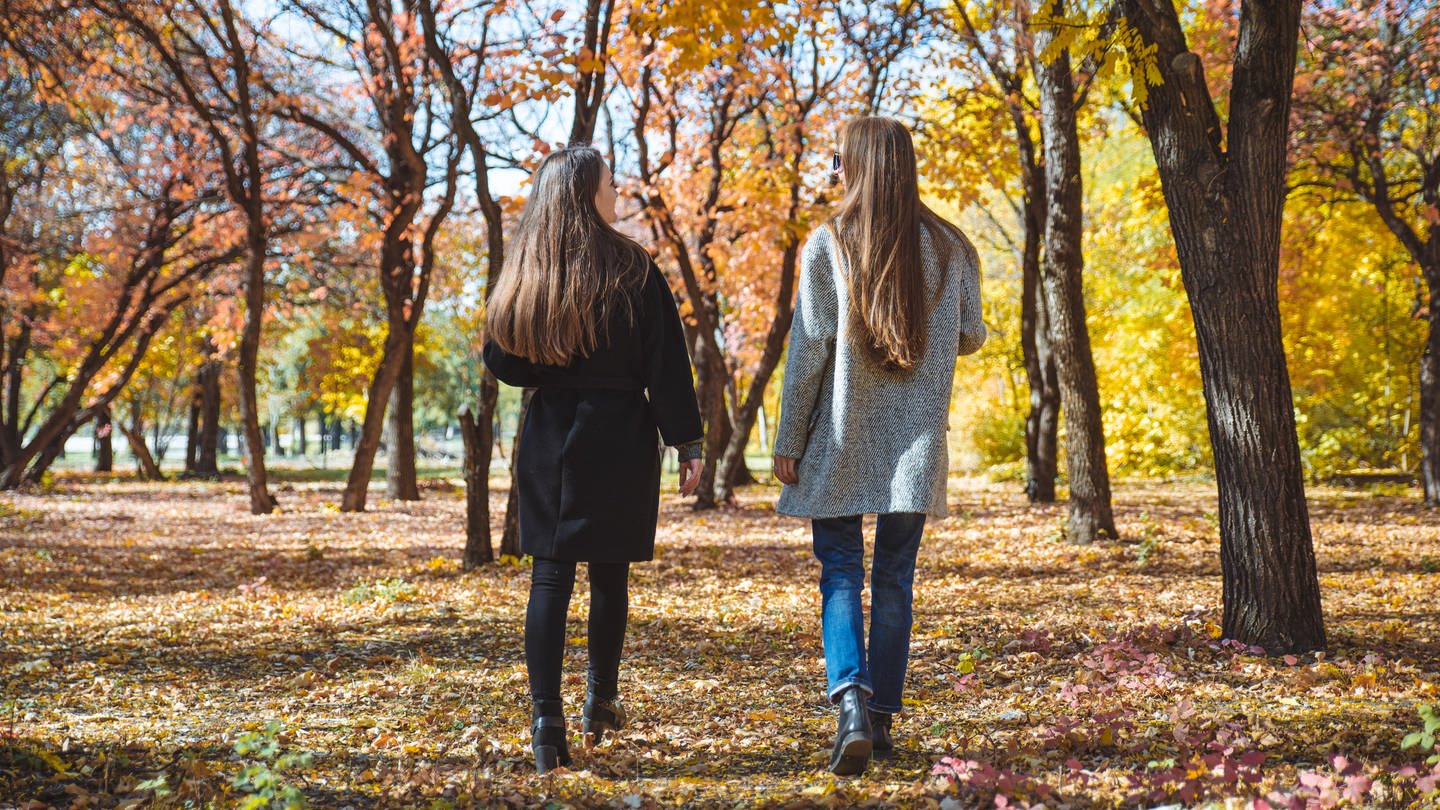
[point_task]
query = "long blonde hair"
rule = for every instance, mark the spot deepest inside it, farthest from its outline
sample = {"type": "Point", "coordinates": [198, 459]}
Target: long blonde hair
{"type": "Point", "coordinates": [877, 228]}
{"type": "Point", "coordinates": [568, 273]}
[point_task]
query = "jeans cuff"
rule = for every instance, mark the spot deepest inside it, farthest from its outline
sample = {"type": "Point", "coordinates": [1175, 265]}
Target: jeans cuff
{"type": "Point", "coordinates": [878, 709]}
{"type": "Point", "coordinates": [864, 687]}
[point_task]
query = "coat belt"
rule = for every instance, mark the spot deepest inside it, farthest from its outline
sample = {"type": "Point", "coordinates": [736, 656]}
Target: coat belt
{"type": "Point", "coordinates": [557, 380]}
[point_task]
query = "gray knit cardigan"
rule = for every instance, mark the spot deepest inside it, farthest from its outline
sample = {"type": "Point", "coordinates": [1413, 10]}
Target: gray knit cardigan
{"type": "Point", "coordinates": [871, 440]}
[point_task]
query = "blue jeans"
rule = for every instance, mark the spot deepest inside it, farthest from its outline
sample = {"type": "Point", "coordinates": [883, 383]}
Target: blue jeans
{"type": "Point", "coordinates": [840, 547]}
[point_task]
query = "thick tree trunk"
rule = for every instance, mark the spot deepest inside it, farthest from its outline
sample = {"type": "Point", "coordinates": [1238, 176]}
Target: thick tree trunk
{"type": "Point", "coordinates": [1042, 423]}
{"type": "Point", "coordinates": [261, 501]}
{"type": "Point", "coordinates": [1091, 517]}
{"type": "Point", "coordinates": [400, 479]}
{"type": "Point", "coordinates": [104, 442]}
{"type": "Point", "coordinates": [477, 428]}
{"type": "Point", "coordinates": [206, 458]}
{"type": "Point", "coordinates": [510, 537]}
{"type": "Point", "coordinates": [52, 451]}
{"type": "Point", "coordinates": [1225, 212]}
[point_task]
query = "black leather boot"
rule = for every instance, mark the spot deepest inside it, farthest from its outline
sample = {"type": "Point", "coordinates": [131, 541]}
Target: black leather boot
{"type": "Point", "coordinates": [601, 716]}
{"type": "Point", "coordinates": [854, 738]}
{"type": "Point", "coordinates": [548, 740]}
{"type": "Point", "coordinates": [880, 727]}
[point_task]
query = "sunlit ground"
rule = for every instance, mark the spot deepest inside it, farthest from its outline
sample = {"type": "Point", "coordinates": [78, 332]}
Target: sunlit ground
{"type": "Point", "coordinates": [161, 646]}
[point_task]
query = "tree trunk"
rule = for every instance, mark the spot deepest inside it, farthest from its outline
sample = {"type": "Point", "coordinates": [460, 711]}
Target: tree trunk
{"type": "Point", "coordinates": [206, 458]}
{"type": "Point", "coordinates": [192, 431]}
{"type": "Point", "coordinates": [590, 82]}
{"type": "Point", "coordinates": [1430, 402]}
{"type": "Point", "coordinates": [275, 438]}
{"type": "Point", "coordinates": [710, 375]}
{"type": "Point", "coordinates": [478, 431]}
{"type": "Point", "coordinates": [144, 462]}
{"type": "Point", "coordinates": [733, 471]}
{"type": "Point", "coordinates": [397, 346]}
{"type": "Point", "coordinates": [1042, 423]}
{"type": "Point", "coordinates": [51, 452]}
{"type": "Point", "coordinates": [1225, 212]}
{"type": "Point", "coordinates": [510, 537]}
{"type": "Point", "coordinates": [400, 479]}
{"type": "Point", "coordinates": [1091, 517]}
{"type": "Point", "coordinates": [104, 442]}
{"type": "Point", "coordinates": [261, 501]}
{"type": "Point", "coordinates": [301, 441]}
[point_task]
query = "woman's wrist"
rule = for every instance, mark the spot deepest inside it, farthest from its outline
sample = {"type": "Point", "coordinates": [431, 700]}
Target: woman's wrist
{"type": "Point", "coordinates": [691, 450]}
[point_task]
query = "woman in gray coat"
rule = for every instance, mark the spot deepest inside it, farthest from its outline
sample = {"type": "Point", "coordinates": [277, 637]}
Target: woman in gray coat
{"type": "Point", "coordinates": [889, 295]}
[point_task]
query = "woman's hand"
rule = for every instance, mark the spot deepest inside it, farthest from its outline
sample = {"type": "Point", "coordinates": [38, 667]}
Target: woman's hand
{"type": "Point", "coordinates": [690, 475]}
{"type": "Point", "coordinates": [785, 470]}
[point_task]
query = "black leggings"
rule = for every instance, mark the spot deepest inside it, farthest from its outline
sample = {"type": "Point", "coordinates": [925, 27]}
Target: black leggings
{"type": "Point", "coordinates": [551, 583]}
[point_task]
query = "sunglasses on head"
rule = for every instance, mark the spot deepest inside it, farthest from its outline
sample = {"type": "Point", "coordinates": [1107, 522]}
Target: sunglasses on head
{"type": "Point", "coordinates": [835, 163]}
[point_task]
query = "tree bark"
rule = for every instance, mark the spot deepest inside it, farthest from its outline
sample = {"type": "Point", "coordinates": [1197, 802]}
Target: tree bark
{"type": "Point", "coordinates": [718, 430]}
{"type": "Point", "coordinates": [479, 437]}
{"type": "Point", "coordinates": [104, 442]}
{"type": "Point", "coordinates": [261, 501]}
{"type": "Point", "coordinates": [1225, 209]}
{"type": "Point", "coordinates": [1061, 277]}
{"type": "Point", "coordinates": [400, 479]}
{"type": "Point", "coordinates": [590, 82]}
{"type": "Point", "coordinates": [1042, 423]}
{"type": "Point", "coordinates": [206, 459]}
{"type": "Point", "coordinates": [192, 431]}
{"type": "Point", "coordinates": [368, 443]}
{"type": "Point", "coordinates": [135, 436]}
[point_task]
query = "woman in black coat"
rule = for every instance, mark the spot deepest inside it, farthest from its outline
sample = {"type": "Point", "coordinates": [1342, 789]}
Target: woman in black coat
{"type": "Point", "coordinates": [582, 315]}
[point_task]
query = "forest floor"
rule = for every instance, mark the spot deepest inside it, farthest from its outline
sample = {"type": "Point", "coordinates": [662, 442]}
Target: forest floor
{"type": "Point", "coordinates": [159, 646]}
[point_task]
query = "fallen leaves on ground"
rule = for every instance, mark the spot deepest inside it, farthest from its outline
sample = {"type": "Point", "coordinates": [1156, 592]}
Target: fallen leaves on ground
{"type": "Point", "coordinates": [162, 646]}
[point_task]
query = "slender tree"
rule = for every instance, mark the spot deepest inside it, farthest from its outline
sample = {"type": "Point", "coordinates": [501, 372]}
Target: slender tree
{"type": "Point", "coordinates": [187, 41]}
{"type": "Point", "coordinates": [1001, 49]}
{"type": "Point", "coordinates": [1061, 277]}
{"type": "Point", "coordinates": [390, 152]}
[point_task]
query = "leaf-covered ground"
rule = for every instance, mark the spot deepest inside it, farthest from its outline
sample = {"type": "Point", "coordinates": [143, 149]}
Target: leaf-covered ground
{"type": "Point", "coordinates": [162, 647]}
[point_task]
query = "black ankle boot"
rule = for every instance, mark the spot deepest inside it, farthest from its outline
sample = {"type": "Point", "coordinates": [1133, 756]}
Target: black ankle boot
{"type": "Point", "coordinates": [854, 738]}
{"type": "Point", "coordinates": [601, 716]}
{"type": "Point", "coordinates": [880, 727]}
{"type": "Point", "coordinates": [548, 740]}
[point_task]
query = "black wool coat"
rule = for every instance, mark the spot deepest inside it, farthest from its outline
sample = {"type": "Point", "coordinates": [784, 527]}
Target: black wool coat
{"type": "Point", "coordinates": [588, 467]}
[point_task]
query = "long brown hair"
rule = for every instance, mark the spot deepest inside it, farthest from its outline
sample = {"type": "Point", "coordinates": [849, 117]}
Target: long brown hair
{"type": "Point", "coordinates": [877, 228]}
{"type": "Point", "coordinates": [568, 273]}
